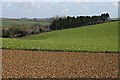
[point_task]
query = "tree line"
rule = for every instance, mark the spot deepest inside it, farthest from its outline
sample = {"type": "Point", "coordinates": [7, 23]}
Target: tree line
{"type": "Point", "coordinates": [58, 23]}
{"type": "Point", "coordinates": [72, 22]}
{"type": "Point", "coordinates": [24, 26]}
{"type": "Point", "coordinates": [14, 32]}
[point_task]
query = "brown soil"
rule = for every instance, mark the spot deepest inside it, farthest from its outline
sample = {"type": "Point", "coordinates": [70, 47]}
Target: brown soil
{"type": "Point", "coordinates": [32, 64]}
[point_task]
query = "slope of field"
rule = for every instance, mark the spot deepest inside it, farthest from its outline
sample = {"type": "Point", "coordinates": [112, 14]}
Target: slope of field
{"type": "Point", "coordinates": [95, 38]}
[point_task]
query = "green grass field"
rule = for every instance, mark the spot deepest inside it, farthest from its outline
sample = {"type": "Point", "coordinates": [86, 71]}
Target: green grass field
{"type": "Point", "coordinates": [94, 38]}
{"type": "Point", "coordinates": [21, 22]}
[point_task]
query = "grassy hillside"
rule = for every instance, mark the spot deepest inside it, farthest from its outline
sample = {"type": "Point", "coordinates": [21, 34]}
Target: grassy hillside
{"type": "Point", "coordinates": [94, 38]}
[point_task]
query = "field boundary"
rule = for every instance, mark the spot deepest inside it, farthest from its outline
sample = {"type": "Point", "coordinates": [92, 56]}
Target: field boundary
{"type": "Point", "coordinates": [62, 50]}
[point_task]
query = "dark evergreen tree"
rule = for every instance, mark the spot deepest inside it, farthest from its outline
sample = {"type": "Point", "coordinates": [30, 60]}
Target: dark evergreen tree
{"type": "Point", "coordinates": [71, 22]}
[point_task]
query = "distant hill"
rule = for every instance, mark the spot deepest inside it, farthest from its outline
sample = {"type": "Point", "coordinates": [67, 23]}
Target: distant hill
{"type": "Point", "coordinates": [9, 22]}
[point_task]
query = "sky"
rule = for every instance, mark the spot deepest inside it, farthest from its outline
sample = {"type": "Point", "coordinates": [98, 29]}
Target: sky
{"type": "Point", "coordinates": [42, 9]}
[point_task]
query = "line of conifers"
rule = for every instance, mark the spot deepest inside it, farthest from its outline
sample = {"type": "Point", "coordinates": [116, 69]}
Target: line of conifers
{"type": "Point", "coordinates": [57, 24]}
{"type": "Point", "coordinates": [72, 22]}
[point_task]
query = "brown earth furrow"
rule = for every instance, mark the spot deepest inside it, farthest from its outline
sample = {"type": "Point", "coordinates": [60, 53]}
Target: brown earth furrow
{"type": "Point", "coordinates": [41, 64]}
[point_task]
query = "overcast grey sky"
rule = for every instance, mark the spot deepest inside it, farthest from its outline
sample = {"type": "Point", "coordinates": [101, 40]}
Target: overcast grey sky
{"type": "Point", "coordinates": [49, 9]}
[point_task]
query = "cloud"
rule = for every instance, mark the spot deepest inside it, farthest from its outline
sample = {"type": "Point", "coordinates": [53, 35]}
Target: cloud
{"type": "Point", "coordinates": [0, 10]}
{"type": "Point", "coordinates": [115, 4]}
{"type": "Point", "coordinates": [66, 9]}
{"type": "Point", "coordinates": [43, 9]}
{"type": "Point", "coordinates": [59, 0]}
{"type": "Point", "coordinates": [7, 5]}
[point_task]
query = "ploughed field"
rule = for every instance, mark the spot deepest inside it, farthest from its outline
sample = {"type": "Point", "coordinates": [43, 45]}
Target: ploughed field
{"type": "Point", "coordinates": [42, 64]}
{"type": "Point", "coordinates": [94, 38]}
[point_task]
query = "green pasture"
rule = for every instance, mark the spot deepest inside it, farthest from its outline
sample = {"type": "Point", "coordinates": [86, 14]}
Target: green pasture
{"type": "Point", "coordinates": [94, 38]}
